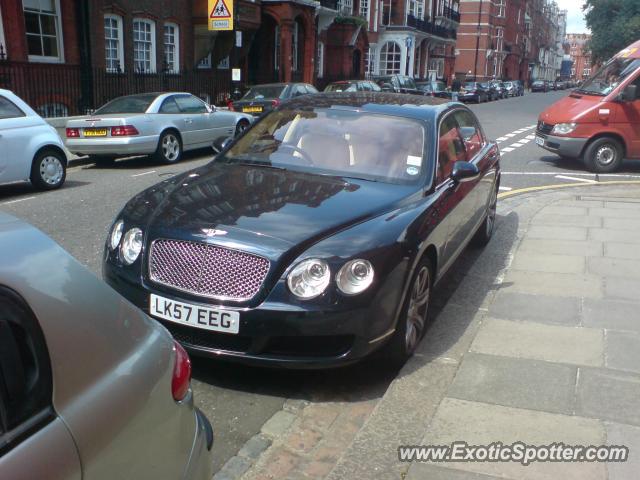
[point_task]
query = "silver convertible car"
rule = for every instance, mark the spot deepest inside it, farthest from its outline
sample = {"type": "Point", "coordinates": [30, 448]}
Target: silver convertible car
{"type": "Point", "coordinates": [160, 124]}
{"type": "Point", "coordinates": [90, 387]}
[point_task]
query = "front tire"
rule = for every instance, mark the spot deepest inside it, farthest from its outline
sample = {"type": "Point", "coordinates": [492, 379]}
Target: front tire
{"type": "Point", "coordinates": [413, 318]}
{"type": "Point", "coordinates": [604, 155]}
{"type": "Point", "coordinates": [485, 232]}
{"type": "Point", "coordinates": [169, 148]}
{"type": "Point", "coordinates": [48, 170]}
{"type": "Point", "coordinates": [241, 127]}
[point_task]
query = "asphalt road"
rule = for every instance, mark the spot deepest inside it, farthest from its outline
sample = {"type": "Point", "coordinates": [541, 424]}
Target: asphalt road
{"type": "Point", "coordinates": [239, 399]}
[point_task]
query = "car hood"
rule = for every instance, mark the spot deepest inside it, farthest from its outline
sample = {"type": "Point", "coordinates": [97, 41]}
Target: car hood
{"type": "Point", "coordinates": [245, 205]}
{"type": "Point", "coordinates": [573, 108]}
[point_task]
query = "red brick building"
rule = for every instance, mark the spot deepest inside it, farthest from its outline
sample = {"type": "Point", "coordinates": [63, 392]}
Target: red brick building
{"type": "Point", "coordinates": [492, 40]}
{"type": "Point", "coordinates": [582, 68]}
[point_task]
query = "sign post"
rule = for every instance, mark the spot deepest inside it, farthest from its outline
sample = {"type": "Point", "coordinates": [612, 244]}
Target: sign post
{"type": "Point", "coordinates": [220, 15]}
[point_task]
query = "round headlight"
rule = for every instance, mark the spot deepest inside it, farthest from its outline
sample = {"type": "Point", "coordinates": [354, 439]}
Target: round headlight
{"type": "Point", "coordinates": [355, 277]}
{"type": "Point", "coordinates": [116, 234]}
{"type": "Point", "coordinates": [309, 278]}
{"type": "Point", "coordinates": [564, 128]}
{"type": "Point", "coordinates": [131, 245]}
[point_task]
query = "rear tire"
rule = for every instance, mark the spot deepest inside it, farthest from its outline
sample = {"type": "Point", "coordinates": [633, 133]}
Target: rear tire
{"type": "Point", "coordinates": [413, 318]}
{"type": "Point", "coordinates": [604, 155]}
{"type": "Point", "coordinates": [48, 170]}
{"type": "Point", "coordinates": [169, 148]}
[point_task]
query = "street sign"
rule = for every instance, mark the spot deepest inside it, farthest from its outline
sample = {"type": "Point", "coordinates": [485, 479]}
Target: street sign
{"type": "Point", "coordinates": [236, 74]}
{"type": "Point", "coordinates": [220, 15]}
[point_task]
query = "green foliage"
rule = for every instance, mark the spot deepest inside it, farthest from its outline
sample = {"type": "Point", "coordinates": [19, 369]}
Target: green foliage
{"type": "Point", "coordinates": [348, 20]}
{"type": "Point", "coordinates": [614, 24]}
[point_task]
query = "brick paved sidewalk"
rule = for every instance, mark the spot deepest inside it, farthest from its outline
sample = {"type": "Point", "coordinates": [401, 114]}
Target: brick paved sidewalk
{"type": "Point", "coordinates": [535, 339]}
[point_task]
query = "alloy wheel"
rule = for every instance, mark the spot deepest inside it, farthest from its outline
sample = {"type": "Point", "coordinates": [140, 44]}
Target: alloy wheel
{"type": "Point", "coordinates": [170, 147]}
{"type": "Point", "coordinates": [418, 307]}
{"type": "Point", "coordinates": [51, 170]}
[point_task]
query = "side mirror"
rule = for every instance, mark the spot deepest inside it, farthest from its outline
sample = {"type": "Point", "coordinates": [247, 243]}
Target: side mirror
{"type": "Point", "coordinates": [221, 143]}
{"type": "Point", "coordinates": [629, 94]}
{"type": "Point", "coordinates": [467, 133]}
{"type": "Point", "coordinates": [464, 172]}
{"type": "Point", "coordinates": [212, 108]}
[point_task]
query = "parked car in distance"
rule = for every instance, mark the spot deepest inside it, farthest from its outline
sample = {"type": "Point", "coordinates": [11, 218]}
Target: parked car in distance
{"type": "Point", "coordinates": [397, 84]}
{"type": "Point", "coordinates": [540, 86]}
{"type": "Point", "coordinates": [160, 124]}
{"type": "Point", "coordinates": [353, 86]}
{"type": "Point", "coordinates": [91, 387]}
{"type": "Point", "coordinates": [31, 148]}
{"type": "Point", "coordinates": [335, 209]}
{"type": "Point", "coordinates": [434, 88]}
{"type": "Point", "coordinates": [514, 88]}
{"type": "Point", "coordinates": [492, 89]}
{"type": "Point", "coordinates": [261, 99]}
{"type": "Point", "coordinates": [500, 87]}
{"type": "Point", "coordinates": [598, 122]}
{"type": "Point", "coordinates": [473, 92]}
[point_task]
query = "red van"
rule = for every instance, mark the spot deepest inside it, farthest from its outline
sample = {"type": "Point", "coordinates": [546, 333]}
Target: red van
{"type": "Point", "coordinates": [600, 121]}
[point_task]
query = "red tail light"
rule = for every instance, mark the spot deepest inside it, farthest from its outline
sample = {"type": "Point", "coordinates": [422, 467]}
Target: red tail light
{"type": "Point", "coordinates": [230, 106]}
{"type": "Point", "coordinates": [73, 132]}
{"type": "Point", "coordinates": [181, 373]}
{"type": "Point", "coordinates": [124, 131]}
{"type": "Point", "coordinates": [275, 102]}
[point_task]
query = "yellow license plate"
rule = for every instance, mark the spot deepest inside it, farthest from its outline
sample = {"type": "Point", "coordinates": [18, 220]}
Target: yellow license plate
{"type": "Point", "coordinates": [95, 132]}
{"type": "Point", "coordinates": [251, 109]}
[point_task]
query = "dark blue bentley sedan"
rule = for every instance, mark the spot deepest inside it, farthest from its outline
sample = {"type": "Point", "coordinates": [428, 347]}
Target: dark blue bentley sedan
{"type": "Point", "coordinates": [316, 237]}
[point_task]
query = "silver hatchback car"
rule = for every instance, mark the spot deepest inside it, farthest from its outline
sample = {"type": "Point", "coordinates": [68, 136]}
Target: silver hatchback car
{"type": "Point", "coordinates": [90, 388]}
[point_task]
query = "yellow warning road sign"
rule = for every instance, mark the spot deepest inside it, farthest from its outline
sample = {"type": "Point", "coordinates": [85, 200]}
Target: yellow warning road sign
{"type": "Point", "coordinates": [220, 15]}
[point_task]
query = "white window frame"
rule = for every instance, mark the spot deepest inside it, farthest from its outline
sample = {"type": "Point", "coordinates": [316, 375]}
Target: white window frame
{"type": "Point", "coordinates": [320, 60]}
{"type": "Point", "coordinates": [345, 7]}
{"type": "Point", "coordinates": [59, 38]}
{"type": "Point", "coordinates": [277, 45]}
{"type": "Point", "coordinates": [120, 40]}
{"type": "Point", "coordinates": [384, 62]}
{"type": "Point", "coordinates": [152, 52]}
{"type": "Point", "coordinates": [499, 39]}
{"type": "Point", "coordinates": [2, 40]}
{"type": "Point", "coordinates": [176, 46]}
{"type": "Point", "coordinates": [295, 38]}
{"type": "Point", "coordinates": [364, 9]}
{"type": "Point", "coordinates": [502, 8]}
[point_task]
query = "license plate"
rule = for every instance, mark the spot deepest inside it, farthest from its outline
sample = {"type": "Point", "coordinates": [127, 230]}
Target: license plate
{"type": "Point", "coordinates": [251, 109]}
{"type": "Point", "coordinates": [216, 319]}
{"type": "Point", "coordinates": [540, 141]}
{"type": "Point", "coordinates": [95, 132]}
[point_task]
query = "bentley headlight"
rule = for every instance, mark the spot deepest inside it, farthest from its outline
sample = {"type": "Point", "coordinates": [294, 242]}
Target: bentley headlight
{"type": "Point", "coordinates": [355, 277]}
{"type": "Point", "coordinates": [309, 278]}
{"type": "Point", "coordinates": [131, 245]}
{"type": "Point", "coordinates": [116, 234]}
{"type": "Point", "coordinates": [564, 128]}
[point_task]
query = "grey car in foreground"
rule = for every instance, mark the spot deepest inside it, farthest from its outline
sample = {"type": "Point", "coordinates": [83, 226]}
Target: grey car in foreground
{"type": "Point", "coordinates": [160, 124]}
{"type": "Point", "coordinates": [90, 387]}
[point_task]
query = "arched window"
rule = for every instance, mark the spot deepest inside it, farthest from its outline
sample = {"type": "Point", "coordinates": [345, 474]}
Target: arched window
{"type": "Point", "coordinates": [390, 55]}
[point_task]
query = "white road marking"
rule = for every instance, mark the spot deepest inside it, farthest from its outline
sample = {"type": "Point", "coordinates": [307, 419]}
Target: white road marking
{"type": "Point", "coordinates": [516, 145]}
{"type": "Point", "coordinates": [16, 201]}
{"type": "Point", "coordinates": [144, 173]}
{"type": "Point", "coordinates": [509, 135]}
{"type": "Point", "coordinates": [507, 150]}
{"type": "Point", "coordinates": [575, 174]}
{"type": "Point", "coordinates": [524, 141]}
{"type": "Point", "coordinates": [501, 139]}
{"type": "Point", "coordinates": [506, 189]}
{"type": "Point", "coordinates": [585, 180]}
{"type": "Point", "coordinates": [530, 137]}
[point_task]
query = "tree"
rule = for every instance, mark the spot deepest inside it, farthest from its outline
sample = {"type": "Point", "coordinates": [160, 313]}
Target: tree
{"type": "Point", "coordinates": [614, 24]}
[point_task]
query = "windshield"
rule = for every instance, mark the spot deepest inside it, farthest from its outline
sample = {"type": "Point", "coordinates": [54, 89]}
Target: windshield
{"type": "Point", "coordinates": [335, 141]}
{"type": "Point", "coordinates": [341, 87]}
{"type": "Point", "coordinates": [609, 76]}
{"type": "Point", "coordinates": [267, 91]}
{"type": "Point", "coordinates": [130, 104]}
{"type": "Point", "coordinates": [470, 85]}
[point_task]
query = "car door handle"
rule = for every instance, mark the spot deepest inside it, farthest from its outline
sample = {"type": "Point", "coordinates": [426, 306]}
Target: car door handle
{"type": "Point", "coordinates": [188, 120]}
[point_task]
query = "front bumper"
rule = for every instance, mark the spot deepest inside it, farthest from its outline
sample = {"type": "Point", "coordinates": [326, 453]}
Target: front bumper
{"type": "Point", "coordinates": [564, 146]}
{"type": "Point", "coordinates": [469, 97]}
{"type": "Point", "coordinates": [273, 334]}
{"type": "Point", "coordinates": [113, 146]}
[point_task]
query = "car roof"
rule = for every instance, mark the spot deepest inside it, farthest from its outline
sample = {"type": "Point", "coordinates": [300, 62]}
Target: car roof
{"type": "Point", "coordinates": [398, 104]}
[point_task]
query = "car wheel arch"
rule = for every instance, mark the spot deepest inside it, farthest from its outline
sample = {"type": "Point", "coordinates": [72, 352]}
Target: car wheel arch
{"type": "Point", "coordinates": [171, 129]}
{"type": "Point", "coordinates": [613, 135]}
{"type": "Point", "coordinates": [50, 147]}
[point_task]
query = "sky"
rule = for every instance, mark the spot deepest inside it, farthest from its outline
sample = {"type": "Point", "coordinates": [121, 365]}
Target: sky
{"type": "Point", "coordinates": [575, 18]}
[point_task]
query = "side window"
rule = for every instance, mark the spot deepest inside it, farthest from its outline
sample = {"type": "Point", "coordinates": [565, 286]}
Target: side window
{"type": "Point", "coordinates": [311, 89]}
{"type": "Point", "coordinates": [299, 90]}
{"type": "Point", "coordinates": [25, 373]}
{"type": "Point", "coordinates": [364, 86]}
{"type": "Point", "coordinates": [450, 148]}
{"type": "Point", "coordinates": [8, 109]}
{"type": "Point", "coordinates": [190, 104]}
{"type": "Point", "coordinates": [169, 106]}
{"type": "Point", "coordinates": [471, 133]}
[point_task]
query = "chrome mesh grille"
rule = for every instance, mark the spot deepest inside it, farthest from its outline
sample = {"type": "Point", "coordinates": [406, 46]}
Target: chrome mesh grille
{"type": "Point", "coordinates": [207, 270]}
{"type": "Point", "coordinates": [544, 127]}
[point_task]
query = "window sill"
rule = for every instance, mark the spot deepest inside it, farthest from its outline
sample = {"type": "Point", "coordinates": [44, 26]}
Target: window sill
{"type": "Point", "coordinates": [40, 59]}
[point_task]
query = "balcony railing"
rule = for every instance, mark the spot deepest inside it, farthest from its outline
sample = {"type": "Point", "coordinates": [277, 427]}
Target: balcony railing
{"type": "Point", "coordinates": [430, 27]}
{"type": "Point", "coordinates": [451, 14]}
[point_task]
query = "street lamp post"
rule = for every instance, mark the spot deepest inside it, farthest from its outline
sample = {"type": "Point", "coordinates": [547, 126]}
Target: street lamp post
{"type": "Point", "coordinates": [475, 63]}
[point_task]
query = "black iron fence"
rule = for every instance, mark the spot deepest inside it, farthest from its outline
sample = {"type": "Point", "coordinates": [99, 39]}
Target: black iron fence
{"type": "Point", "coordinates": [428, 26]}
{"type": "Point", "coordinates": [62, 90]}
